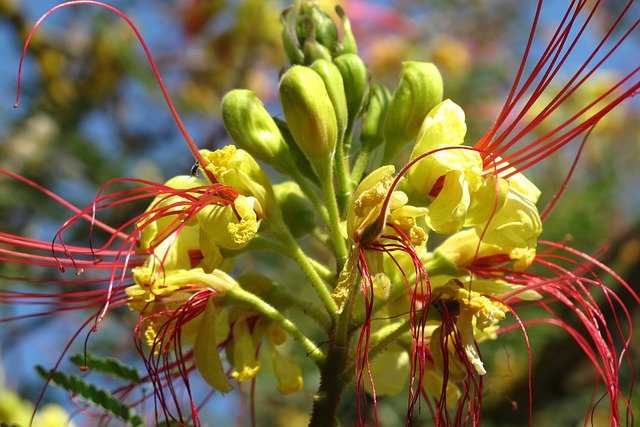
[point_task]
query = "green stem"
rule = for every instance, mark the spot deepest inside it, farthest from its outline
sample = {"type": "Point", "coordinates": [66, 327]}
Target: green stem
{"type": "Point", "coordinates": [334, 375]}
{"type": "Point", "coordinates": [332, 385]}
{"type": "Point", "coordinates": [381, 340]}
{"type": "Point", "coordinates": [261, 242]}
{"type": "Point", "coordinates": [280, 231]}
{"type": "Point", "coordinates": [338, 240]}
{"type": "Point", "coordinates": [360, 165]}
{"type": "Point", "coordinates": [283, 297]}
{"type": "Point", "coordinates": [342, 177]}
{"type": "Point", "coordinates": [239, 296]}
{"type": "Point", "coordinates": [311, 194]}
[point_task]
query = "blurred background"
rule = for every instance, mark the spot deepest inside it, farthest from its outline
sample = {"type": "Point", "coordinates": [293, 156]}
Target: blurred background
{"type": "Point", "coordinates": [90, 110]}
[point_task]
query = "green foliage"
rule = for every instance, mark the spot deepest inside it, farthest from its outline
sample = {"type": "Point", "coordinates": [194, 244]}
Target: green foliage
{"type": "Point", "coordinates": [107, 365]}
{"type": "Point", "coordinates": [92, 394]}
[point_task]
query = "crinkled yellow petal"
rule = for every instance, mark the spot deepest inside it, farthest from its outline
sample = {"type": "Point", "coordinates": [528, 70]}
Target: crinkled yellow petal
{"type": "Point", "coordinates": [288, 373]}
{"type": "Point", "coordinates": [238, 169]}
{"type": "Point", "coordinates": [230, 227]}
{"type": "Point", "coordinates": [152, 227]}
{"type": "Point", "coordinates": [514, 228]}
{"type": "Point", "coordinates": [448, 211]}
{"type": "Point", "coordinates": [243, 231]}
{"type": "Point", "coordinates": [487, 199]}
{"type": "Point", "coordinates": [244, 353]}
{"type": "Point", "coordinates": [205, 352]}
{"type": "Point", "coordinates": [390, 371]}
{"type": "Point", "coordinates": [444, 125]}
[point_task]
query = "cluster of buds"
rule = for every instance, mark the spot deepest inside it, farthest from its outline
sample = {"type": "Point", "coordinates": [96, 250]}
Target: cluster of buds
{"type": "Point", "coordinates": [369, 174]}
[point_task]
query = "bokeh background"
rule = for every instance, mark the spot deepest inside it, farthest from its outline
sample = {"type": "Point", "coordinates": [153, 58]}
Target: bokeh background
{"type": "Point", "coordinates": [90, 110]}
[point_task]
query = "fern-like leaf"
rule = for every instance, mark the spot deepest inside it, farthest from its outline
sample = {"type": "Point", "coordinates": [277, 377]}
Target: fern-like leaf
{"type": "Point", "coordinates": [107, 365]}
{"type": "Point", "coordinates": [92, 394]}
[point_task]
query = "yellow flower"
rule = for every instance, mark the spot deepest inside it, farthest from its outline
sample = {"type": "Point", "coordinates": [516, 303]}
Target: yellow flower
{"type": "Point", "coordinates": [515, 228]}
{"type": "Point", "coordinates": [230, 227]}
{"type": "Point", "coordinates": [366, 219]}
{"type": "Point", "coordinates": [288, 373]}
{"type": "Point", "coordinates": [238, 169]}
{"type": "Point", "coordinates": [445, 180]}
{"type": "Point", "coordinates": [243, 355]}
{"type": "Point", "coordinates": [163, 213]}
{"type": "Point", "coordinates": [158, 295]}
{"type": "Point", "coordinates": [475, 313]}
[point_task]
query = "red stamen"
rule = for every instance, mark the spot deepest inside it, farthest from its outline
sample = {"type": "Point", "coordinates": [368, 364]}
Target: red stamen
{"type": "Point", "coordinates": [154, 68]}
{"type": "Point", "coordinates": [557, 53]}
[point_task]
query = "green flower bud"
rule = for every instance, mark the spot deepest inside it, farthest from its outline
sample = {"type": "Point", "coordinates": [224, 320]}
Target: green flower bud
{"type": "Point", "coordinates": [299, 159]}
{"type": "Point", "coordinates": [324, 28]}
{"type": "Point", "coordinates": [372, 121]}
{"type": "Point", "coordinates": [310, 115]}
{"type": "Point", "coordinates": [252, 128]}
{"type": "Point", "coordinates": [419, 90]}
{"type": "Point", "coordinates": [348, 41]}
{"type": "Point", "coordinates": [297, 211]}
{"type": "Point", "coordinates": [356, 83]}
{"type": "Point", "coordinates": [313, 49]}
{"type": "Point", "coordinates": [290, 41]}
{"type": "Point", "coordinates": [336, 89]}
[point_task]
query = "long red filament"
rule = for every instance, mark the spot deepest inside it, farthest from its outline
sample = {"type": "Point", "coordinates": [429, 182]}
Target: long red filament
{"type": "Point", "coordinates": [154, 68]}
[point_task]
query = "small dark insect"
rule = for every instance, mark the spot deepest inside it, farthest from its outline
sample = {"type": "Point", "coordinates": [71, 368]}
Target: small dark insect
{"type": "Point", "coordinates": [194, 169]}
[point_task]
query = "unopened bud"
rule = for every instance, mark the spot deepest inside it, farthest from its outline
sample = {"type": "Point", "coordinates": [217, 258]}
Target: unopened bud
{"type": "Point", "coordinates": [373, 119]}
{"type": "Point", "coordinates": [335, 86]}
{"type": "Point", "coordinates": [348, 41]}
{"type": "Point", "coordinates": [297, 211]}
{"type": "Point", "coordinates": [419, 90]}
{"type": "Point", "coordinates": [289, 40]}
{"type": "Point", "coordinates": [310, 115]}
{"type": "Point", "coordinates": [356, 83]}
{"type": "Point", "coordinates": [252, 128]}
{"type": "Point", "coordinates": [300, 160]}
{"type": "Point", "coordinates": [324, 28]}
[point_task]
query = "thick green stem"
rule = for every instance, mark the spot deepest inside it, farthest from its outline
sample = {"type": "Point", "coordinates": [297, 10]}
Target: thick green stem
{"type": "Point", "coordinates": [332, 385]}
{"type": "Point", "coordinates": [334, 376]}
{"type": "Point", "coordinates": [381, 340]}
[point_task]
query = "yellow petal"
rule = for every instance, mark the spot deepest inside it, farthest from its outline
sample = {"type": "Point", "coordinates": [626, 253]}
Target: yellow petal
{"type": "Point", "coordinates": [448, 211]}
{"type": "Point", "coordinates": [390, 371]}
{"type": "Point", "coordinates": [288, 374]}
{"type": "Point", "coordinates": [205, 352]}
{"type": "Point", "coordinates": [244, 353]}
